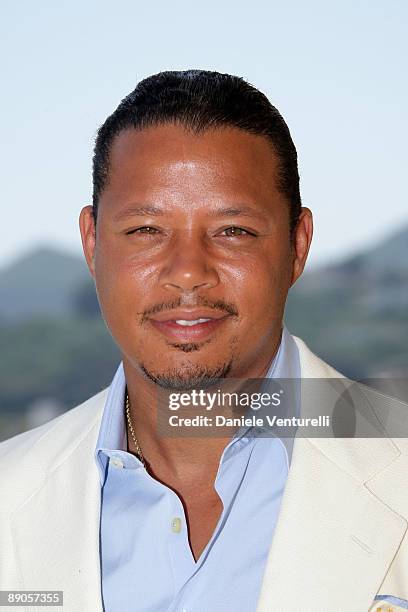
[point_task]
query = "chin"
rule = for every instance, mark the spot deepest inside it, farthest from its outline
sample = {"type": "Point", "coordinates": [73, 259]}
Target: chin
{"type": "Point", "coordinates": [187, 376]}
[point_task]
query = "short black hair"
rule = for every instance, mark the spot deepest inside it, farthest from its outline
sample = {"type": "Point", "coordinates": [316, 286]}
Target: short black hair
{"type": "Point", "coordinates": [200, 100]}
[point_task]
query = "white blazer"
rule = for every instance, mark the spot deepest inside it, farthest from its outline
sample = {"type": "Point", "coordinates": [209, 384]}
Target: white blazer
{"type": "Point", "coordinates": [340, 538]}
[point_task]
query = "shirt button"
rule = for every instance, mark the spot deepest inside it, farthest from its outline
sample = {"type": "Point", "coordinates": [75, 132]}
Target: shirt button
{"type": "Point", "coordinates": [116, 462]}
{"type": "Point", "coordinates": [176, 525]}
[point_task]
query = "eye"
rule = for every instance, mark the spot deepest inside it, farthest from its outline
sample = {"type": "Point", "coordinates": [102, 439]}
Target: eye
{"type": "Point", "coordinates": [145, 229]}
{"type": "Point", "coordinates": [234, 231]}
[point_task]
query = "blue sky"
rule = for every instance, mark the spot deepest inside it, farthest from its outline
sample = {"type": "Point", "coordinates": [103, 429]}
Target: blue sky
{"type": "Point", "coordinates": [335, 70]}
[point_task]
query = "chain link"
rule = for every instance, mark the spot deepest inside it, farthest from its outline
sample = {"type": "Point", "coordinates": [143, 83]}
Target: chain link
{"type": "Point", "coordinates": [132, 431]}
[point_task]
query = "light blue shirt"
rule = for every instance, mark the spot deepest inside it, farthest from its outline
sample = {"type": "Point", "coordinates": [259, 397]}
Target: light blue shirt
{"type": "Point", "coordinates": [147, 565]}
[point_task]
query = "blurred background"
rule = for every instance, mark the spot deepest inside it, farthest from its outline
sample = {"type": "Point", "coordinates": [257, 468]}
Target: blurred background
{"type": "Point", "coordinates": [336, 71]}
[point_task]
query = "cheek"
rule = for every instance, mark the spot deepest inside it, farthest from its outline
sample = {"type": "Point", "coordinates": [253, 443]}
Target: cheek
{"type": "Point", "coordinates": [261, 282]}
{"type": "Point", "coordinates": [122, 284]}
{"type": "Point", "coordinates": [260, 292]}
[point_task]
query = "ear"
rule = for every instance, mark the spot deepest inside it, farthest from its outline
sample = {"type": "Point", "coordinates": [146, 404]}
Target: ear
{"type": "Point", "coordinates": [302, 239]}
{"type": "Point", "coordinates": [88, 236]}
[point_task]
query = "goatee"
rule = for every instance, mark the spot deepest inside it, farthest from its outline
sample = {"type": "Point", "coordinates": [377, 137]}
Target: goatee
{"type": "Point", "coordinates": [198, 377]}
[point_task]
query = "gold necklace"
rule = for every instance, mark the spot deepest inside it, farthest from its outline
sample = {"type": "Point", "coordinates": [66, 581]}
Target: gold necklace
{"type": "Point", "coordinates": [132, 432]}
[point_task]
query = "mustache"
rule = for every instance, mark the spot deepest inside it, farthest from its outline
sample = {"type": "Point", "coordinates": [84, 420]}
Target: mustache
{"type": "Point", "coordinates": [222, 305]}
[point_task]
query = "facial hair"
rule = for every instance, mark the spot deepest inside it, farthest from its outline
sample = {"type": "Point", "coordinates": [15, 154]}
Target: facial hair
{"type": "Point", "coordinates": [190, 377]}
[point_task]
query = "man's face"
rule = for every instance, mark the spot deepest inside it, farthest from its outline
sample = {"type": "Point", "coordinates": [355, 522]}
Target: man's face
{"type": "Point", "coordinates": [192, 257]}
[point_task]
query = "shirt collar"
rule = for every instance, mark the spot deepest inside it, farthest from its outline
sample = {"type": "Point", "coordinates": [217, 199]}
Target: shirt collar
{"type": "Point", "coordinates": [286, 364]}
{"type": "Point", "coordinates": [112, 432]}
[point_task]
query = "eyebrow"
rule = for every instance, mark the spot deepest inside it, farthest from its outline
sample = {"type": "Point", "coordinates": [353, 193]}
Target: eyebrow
{"type": "Point", "coordinates": [236, 211]}
{"type": "Point", "coordinates": [154, 211]}
{"type": "Point", "coordinates": [141, 211]}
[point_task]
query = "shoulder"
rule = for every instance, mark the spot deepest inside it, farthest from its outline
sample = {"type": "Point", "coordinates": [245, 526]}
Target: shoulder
{"type": "Point", "coordinates": [26, 458]}
{"type": "Point", "coordinates": [64, 429]}
{"type": "Point", "coordinates": [311, 365]}
{"type": "Point", "coordinates": [388, 413]}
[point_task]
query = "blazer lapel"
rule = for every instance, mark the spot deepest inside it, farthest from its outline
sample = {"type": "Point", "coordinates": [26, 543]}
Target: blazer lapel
{"type": "Point", "coordinates": [333, 542]}
{"type": "Point", "coordinates": [334, 539]}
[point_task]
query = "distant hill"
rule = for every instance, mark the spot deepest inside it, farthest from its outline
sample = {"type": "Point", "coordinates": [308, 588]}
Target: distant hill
{"type": "Point", "coordinates": [41, 281]}
{"type": "Point", "coordinates": [55, 345]}
{"type": "Point", "coordinates": [355, 313]}
{"type": "Point", "coordinates": [49, 281]}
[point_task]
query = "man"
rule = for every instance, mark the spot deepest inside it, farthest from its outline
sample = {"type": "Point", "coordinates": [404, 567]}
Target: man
{"type": "Point", "coordinates": [194, 238]}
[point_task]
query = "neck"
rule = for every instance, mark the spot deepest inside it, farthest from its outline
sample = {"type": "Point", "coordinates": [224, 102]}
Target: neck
{"type": "Point", "coordinates": [176, 459]}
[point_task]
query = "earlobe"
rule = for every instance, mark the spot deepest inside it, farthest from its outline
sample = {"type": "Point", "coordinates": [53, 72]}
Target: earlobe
{"type": "Point", "coordinates": [88, 236]}
{"type": "Point", "coordinates": [301, 242]}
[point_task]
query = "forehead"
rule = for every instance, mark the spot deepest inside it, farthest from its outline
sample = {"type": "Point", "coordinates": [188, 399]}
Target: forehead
{"type": "Point", "coordinates": [170, 158]}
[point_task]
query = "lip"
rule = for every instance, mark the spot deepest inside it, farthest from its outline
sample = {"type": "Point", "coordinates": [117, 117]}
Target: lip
{"type": "Point", "coordinates": [188, 315]}
{"type": "Point", "coordinates": [166, 324]}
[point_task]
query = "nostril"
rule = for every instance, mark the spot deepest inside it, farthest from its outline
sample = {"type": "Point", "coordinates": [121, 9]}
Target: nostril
{"type": "Point", "coordinates": [180, 280]}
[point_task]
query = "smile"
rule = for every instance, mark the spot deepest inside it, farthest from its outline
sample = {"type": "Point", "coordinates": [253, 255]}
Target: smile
{"type": "Point", "coordinates": [191, 323]}
{"type": "Point", "coordinates": [188, 327]}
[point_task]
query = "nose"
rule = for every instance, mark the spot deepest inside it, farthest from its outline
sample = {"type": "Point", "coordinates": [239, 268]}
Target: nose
{"type": "Point", "coordinates": [188, 267]}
